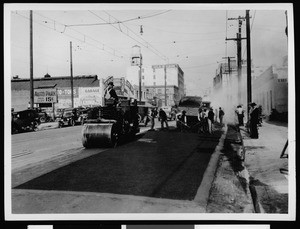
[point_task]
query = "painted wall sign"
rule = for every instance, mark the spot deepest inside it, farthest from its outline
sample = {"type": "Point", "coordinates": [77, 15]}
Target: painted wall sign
{"type": "Point", "coordinates": [45, 95]}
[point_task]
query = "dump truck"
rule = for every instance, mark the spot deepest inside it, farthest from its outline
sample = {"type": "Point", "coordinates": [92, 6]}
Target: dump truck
{"type": "Point", "coordinates": [190, 105]}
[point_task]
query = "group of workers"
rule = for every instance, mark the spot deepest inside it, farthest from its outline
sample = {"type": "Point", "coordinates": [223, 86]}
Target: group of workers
{"type": "Point", "coordinates": [111, 94]}
{"type": "Point", "coordinates": [206, 118]}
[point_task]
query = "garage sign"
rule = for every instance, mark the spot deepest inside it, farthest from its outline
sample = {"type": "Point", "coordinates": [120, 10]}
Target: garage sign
{"type": "Point", "coordinates": [45, 95]}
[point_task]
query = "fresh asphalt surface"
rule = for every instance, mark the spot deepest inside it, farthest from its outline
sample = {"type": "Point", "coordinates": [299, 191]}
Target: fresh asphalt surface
{"type": "Point", "coordinates": [161, 164]}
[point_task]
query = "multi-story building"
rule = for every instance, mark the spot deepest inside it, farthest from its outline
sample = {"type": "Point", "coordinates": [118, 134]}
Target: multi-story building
{"type": "Point", "coordinates": [270, 89]}
{"type": "Point", "coordinates": [156, 78]}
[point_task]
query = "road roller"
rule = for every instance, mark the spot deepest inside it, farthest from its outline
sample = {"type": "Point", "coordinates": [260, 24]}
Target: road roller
{"type": "Point", "coordinates": [105, 125]}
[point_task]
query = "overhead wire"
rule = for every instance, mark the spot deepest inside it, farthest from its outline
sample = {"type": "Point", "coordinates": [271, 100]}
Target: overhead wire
{"type": "Point", "coordinates": [81, 40]}
{"type": "Point", "coordinates": [148, 44]}
{"type": "Point", "coordinates": [177, 32]}
{"type": "Point", "coordinates": [152, 49]}
{"type": "Point", "coordinates": [118, 22]}
{"type": "Point", "coordinates": [182, 41]}
{"type": "Point", "coordinates": [199, 66]}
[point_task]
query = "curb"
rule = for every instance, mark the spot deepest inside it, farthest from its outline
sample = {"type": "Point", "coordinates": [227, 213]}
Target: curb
{"type": "Point", "coordinates": [256, 203]}
{"type": "Point", "coordinates": [257, 206]}
{"type": "Point", "coordinates": [48, 125]}
{"type": "Point", "coordinates": [203, 191]}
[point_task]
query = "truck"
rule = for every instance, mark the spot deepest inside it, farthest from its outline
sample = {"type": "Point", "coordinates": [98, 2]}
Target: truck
{"type": "Point", "coordinates": [189, 105]}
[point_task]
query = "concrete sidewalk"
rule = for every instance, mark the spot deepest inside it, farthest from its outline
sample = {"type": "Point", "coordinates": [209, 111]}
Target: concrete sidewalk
{"type": "Point", "coordinates": [48, 125]}
{"type": "Point", "coordinates": [269, 187]}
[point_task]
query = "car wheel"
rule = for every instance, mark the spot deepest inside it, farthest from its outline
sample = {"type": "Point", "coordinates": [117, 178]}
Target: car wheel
{"type": "Point", "coordinates": [34, 126]}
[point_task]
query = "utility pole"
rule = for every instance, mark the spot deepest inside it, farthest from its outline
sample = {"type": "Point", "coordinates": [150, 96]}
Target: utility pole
{"type": "Point", "coordinates": [165, 71]}
{"type": "Point", "coordinates": [239, 39]}
{"type": "Point", "coordinates": [140, 81]}
{"type": "Point", "coordinates": [31, 64]}
{"type": "Point", "coordinates": [249, 88]}
{"type": "Point", "coordinates": [286, 28]}
{"type": "Point", "coordinates": [71, 71]}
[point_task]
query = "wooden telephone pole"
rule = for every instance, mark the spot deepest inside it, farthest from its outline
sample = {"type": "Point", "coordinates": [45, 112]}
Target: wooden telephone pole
{"type": "Point", "coordinates": [71, 73]}
{"type": "Point", "coordinates": [31, 64]}
{"type": "Point", "coordinates": [249, 88]}
{"type": "Point", "coordinates": [238, 39]}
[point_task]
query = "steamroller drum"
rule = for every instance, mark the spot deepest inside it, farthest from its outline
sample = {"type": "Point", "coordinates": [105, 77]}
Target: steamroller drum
{"type": "Point", "coordinates": [99, 135]}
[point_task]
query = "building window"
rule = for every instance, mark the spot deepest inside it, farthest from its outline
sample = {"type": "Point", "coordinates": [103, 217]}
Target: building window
{"type": "Point", "coordinates": [143, 77]}
{"type": "Point", "coordinates": [154, 76]}
{"type": "Point", "coordinates": [154, 84]}
{"type": "Point", "coordinates": [143, 70]}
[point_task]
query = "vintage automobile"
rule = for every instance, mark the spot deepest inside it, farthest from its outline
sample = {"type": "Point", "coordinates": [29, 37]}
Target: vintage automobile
{"type": "Point", "coordinates": [44, 117]}
{"type": "Point", "coordinates": [58, 113]}
{"type": "Point", "coordinates": [26, 120]}
{"type": "Point", "coordinates": [67, 117]}
{"type": "Point", "coordinates": [82, 114]}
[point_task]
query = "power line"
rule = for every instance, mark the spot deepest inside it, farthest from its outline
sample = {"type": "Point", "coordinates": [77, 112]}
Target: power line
{"type": "Point", "coordinates": [118, 22]}
{"type": "Point", "coordinates": [84, 35]}
{"type": "Point", "coordinates": [199, 66]}
{"type": "Point", "coordinates": [182, 41]}
{"type": "Point", "coordinates": [164, 57]}
{"type": "Point", "coordinates": [176, 32]}
{"type": "Point", "coordinates": [127, 34]}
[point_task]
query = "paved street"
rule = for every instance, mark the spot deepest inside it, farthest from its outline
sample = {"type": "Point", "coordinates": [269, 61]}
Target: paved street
{"type": "Point", "coordinates": [36, 153]}
{"type": "Point", "coordinates": [159, 164]}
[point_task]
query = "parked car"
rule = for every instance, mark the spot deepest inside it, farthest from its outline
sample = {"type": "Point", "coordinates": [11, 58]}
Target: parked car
{"type": "Point", "coordinates": [82, 115]}
{"type": "Point", "coordinates": [26, 120]}
{"type": "Point", "coordinates": [44, 117]}
{"type": "Point", "coordinates": [67, 117]}
{"type": "Point", "coordinates": [58, 113]}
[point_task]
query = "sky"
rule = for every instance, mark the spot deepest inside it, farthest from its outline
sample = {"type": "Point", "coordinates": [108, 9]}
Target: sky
{"type": "Point", "coordinates": [102, 38]}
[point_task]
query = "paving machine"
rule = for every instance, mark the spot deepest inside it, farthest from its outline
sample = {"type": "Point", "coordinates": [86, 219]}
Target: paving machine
{"type": "Point", "coordinates": [106, 124]}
